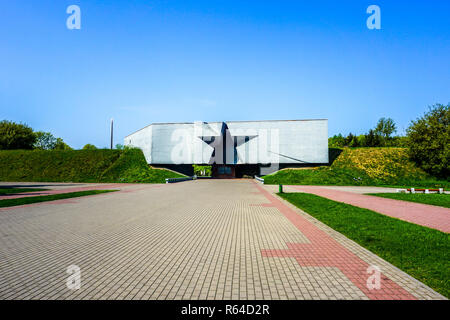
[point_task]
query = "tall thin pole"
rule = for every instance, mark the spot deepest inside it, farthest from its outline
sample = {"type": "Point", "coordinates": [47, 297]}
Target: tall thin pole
{"type": "Point", "coordinates": [112, 133]}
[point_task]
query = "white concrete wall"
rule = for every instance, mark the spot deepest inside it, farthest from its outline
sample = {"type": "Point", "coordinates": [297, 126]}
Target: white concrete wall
{"type": "Point", "coordinates": [302, 141]}
{"type": "Point", "coordinates": [142, 139]}
{"type": "Point", "coordinates": [293, 142]}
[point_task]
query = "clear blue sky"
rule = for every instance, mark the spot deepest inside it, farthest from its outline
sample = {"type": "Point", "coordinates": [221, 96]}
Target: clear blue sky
{"type": "Point", "coordinates": [143, 61]}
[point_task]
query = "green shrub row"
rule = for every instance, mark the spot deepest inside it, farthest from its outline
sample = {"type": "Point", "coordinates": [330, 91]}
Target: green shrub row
{"type": "Point", "coordinates": [100, 165]}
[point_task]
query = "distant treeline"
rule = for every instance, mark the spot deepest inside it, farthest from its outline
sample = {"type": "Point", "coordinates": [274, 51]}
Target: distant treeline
{"type": "Point", "coordinates": [427, 139]}
{"type": "Point", "coordinates": [380, 136]}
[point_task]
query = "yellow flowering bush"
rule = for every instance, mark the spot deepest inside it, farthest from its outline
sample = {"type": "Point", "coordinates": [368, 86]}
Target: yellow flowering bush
{"type": "Point", "coordinates": [384, 164]}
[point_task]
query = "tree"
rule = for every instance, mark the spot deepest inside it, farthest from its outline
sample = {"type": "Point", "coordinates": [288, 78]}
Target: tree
{"type": "Point", "coordinates": [44, 141]}
{"type": "Point", "coordinates": [354, 143]}
{"type": "Point", "coordinates": [385, 127]}
{"type": "Point", "coordinates": [337, 141]}
{"type": "Point", "coordinates": [397, 141]}
{"type": "Point", "coordinates": [61, 145]}
{"type": "Point", "coordinates": [429, 140]}
{"type": "Point", "coordinates": [362, 140]}
{"type": "Point", "coordinates": [89, 147]}
{"type": "Point", "coordinates": [349, 139]}
{"type": "Point", "coordinates": [15, 136]}
{"type": "Point", "coordinates": [373, 139]}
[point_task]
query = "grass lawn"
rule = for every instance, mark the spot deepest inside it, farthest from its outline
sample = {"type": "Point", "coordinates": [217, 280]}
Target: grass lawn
{"type": "Point", "coordinates": [29, 200]}
{"type": "Point", "coordinates": [442, 200]}
{"type": "Point", "coordinates": [422, 252]}
{"type": "Point", "coordinates": [5, 191]}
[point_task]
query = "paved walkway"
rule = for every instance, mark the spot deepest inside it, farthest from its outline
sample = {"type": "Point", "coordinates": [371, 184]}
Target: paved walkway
{"type": "Point", "coordinates": [426, 215]}
{"type": "Point", "coordinates": [57, 189]}
{"type": "Point", "coordinates": [205, 239]}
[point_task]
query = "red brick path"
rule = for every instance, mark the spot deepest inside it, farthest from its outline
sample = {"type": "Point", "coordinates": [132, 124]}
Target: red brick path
{"type": "Point", "coordinates": [324, 251]}
{"type": "Point", "coordinates": [426, 215]}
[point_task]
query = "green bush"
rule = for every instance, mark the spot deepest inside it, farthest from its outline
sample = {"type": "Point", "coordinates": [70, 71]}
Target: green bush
{"type": "Point", "coordinates": [89, 147]}
{"type": "Point", "coordinates": [198, 170]}
{"type": "Point", "coordinates": [337, 141]}
{"type": "Point", "coordinates": [61, 145]}
{"type": "Point", "coordinates": [15, 136]}
{"type": "Point", "coordinates": [429, 141]}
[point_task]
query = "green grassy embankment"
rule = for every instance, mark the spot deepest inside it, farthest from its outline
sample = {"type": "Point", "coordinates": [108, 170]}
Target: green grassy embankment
{"type": "Point", "coordinates": [132, 167]}
{"type": "Point", "coordinates": [127, 166]}
{"type": "Point", "coordinates": [422, 252]}
{"type": "Point", "coordinates": [364, 167]}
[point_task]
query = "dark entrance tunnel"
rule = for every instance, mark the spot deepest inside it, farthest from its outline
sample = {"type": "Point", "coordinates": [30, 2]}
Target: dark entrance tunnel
{"type": "Point", "coordinates": [234, 171]}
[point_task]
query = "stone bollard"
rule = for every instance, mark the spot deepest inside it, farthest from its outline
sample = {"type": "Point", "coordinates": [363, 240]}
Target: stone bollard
{"type": "Point", "coordinates": [441, 190]}
{"type": "Point", "coordinates": [427, 191]}
{"type": "Point", "coordinates": [413, 190]}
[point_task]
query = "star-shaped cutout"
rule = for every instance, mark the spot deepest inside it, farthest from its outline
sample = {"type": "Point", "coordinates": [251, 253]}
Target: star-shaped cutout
{"type": "Point", "coordinates": [221, 142]}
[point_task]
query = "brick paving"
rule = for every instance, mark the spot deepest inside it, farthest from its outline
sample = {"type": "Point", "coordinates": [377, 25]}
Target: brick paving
{"type": "Point", "coordinates": [322, 250]}
{"type": "Point", "coordinates": [68, 189]}
{"type": "Point", "coordinates": [422, 214]}
{"type": "Point", "coordinates": [204, 239]}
